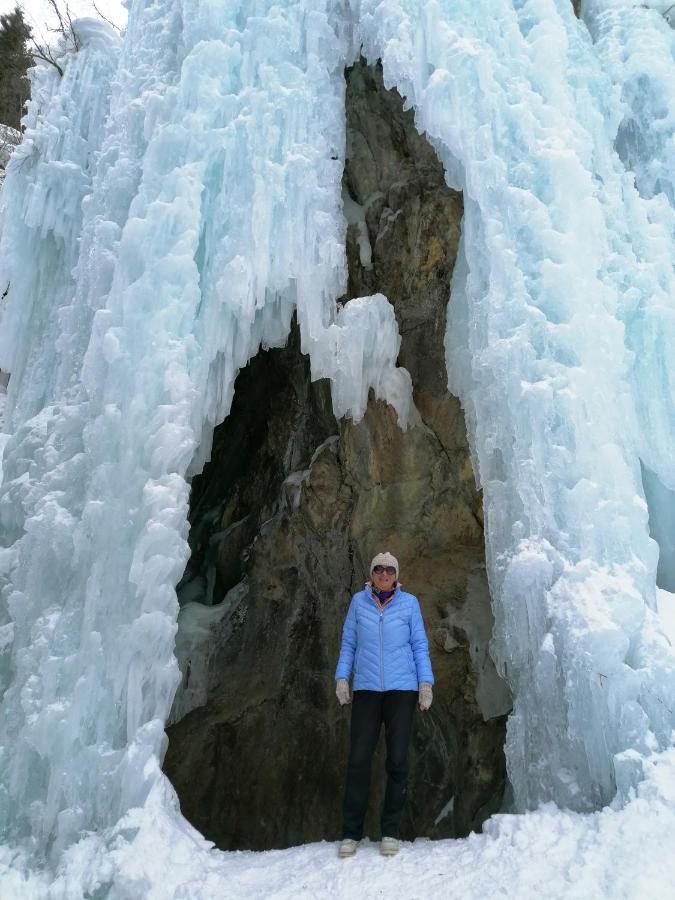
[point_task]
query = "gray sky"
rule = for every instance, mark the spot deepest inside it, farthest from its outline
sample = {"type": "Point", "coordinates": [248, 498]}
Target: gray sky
{"type": "Point", "coordinates": [39, 16]}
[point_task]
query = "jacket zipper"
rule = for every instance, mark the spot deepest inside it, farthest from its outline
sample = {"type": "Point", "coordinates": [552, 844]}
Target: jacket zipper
{"type": "Point", "coordinates": [382, 648]}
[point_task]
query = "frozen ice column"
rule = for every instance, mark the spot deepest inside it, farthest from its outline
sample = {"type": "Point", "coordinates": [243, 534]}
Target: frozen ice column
{"type": "Point", "coordinates": [211, 215]}
{"type": "Point", "coordinates": [636, 45]}
{"type": "Point", "coordinates": [45, 468]}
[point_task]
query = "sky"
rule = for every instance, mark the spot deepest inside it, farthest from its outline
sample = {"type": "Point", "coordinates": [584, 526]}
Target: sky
{"type": "Point", "coordinates": [39, 16]}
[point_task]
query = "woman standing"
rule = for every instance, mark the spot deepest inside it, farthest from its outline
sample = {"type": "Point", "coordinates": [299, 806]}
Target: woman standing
{"type": "Point", "coordinates": [385, 646]}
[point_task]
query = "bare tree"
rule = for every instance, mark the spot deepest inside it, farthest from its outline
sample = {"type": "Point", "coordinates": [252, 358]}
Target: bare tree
{"type": "Point", "coordinates": [9, 139]}
{"type": "Point", "coordinates": [62, 29]}
{"type": "Point", "coordinates": [105, 18]}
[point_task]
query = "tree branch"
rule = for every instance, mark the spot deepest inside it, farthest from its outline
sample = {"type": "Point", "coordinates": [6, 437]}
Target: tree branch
{"type": "Point", "coordinates": [45, 54]}
{"type": "Point", "coordinates": [105, 18]}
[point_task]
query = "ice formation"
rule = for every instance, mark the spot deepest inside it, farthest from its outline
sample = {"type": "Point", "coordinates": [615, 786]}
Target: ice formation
{"type": "Point", "coordinates": [175, 201]}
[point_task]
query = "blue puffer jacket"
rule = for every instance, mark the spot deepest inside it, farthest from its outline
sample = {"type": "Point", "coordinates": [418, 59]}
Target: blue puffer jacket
{"type": "Point", "coordinates": [388, 650]}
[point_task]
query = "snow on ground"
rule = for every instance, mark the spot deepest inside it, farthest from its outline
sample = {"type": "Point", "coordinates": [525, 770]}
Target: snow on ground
{"type": "Point", "coordinates": [550, 853]}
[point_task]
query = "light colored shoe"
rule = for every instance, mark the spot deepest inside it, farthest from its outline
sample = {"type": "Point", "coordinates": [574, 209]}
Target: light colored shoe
{"type": "Point", "coordinates": [347, 847]}
{"type": "Point", "coordinates": [389, 846]}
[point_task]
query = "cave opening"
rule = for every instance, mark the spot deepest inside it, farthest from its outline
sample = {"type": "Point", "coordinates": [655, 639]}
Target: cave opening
{"type": "Point", "coordinates": [285, 518]}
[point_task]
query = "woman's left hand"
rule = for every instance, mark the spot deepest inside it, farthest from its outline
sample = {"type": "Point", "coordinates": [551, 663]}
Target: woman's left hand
{"type": "Point", "coordinates": [342, 691]}
{"type": "Point", "coordinates": [426, 695]}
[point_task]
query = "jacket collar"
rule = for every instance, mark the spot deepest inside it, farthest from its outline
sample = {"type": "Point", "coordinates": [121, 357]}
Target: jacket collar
{"type": "Point", "coordinates": [373, 598]}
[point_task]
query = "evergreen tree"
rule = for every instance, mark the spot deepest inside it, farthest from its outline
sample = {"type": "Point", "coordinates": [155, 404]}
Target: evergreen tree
{"type": "Point", "coordinates": [14, 61]}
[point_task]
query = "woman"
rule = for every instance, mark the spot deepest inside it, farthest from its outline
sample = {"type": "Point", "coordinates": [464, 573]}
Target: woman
{"type": "Point", "coordinates": [384, 644]}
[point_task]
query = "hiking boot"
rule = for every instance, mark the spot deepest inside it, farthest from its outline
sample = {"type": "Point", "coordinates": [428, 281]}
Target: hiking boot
{"type": "Point", "coordinates": [347, 847]}
{"type": "Point", "coordinates": [389, 846]}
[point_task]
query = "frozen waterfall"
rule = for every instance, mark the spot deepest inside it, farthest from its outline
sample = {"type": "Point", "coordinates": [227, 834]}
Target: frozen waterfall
{"type": "Point", "coordinates": [175, 201]}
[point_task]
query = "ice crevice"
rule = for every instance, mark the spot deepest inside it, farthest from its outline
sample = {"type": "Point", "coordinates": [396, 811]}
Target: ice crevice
{"type": "Point", "coordinates": [178, 195]}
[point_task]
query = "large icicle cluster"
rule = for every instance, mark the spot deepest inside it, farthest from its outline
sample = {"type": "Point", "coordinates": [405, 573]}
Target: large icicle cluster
{"type": "Point", "coordinates": [150, 249]}
{"type": "Point", "coordinates": [636, 47]}
{"type": "Point", "coordinates": [561, 316]}
{"type": "Point", "coordinates": [175, 201]}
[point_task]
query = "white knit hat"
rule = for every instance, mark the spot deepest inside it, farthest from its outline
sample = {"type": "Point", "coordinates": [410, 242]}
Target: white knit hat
{"type": "Point", "coordinates": [384, 559]}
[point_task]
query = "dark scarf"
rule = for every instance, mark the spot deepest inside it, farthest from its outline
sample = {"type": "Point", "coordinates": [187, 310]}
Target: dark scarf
{"type": "Point", "coordinates": [382, 597]}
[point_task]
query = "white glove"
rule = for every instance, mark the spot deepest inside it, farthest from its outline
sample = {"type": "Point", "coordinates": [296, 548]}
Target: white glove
{"type": "Point", "coordinates": [426, 695]}
{"type": "Point", "coordinates": [342, 691]}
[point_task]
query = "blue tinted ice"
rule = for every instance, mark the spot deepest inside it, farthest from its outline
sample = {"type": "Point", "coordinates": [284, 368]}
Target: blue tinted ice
{"type": "Point", "coordinates": [177, 200]}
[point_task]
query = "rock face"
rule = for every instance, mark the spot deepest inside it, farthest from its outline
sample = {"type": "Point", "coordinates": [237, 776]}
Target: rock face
{"type": "Point", "coordinates": [285, 519]}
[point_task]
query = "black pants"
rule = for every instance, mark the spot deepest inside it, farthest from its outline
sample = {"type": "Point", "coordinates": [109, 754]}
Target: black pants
{"type": "Point", "coordinates": [369, 710]}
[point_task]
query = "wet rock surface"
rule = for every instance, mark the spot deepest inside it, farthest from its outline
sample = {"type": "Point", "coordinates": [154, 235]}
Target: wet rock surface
{"type": "Point", "coordinates": [285, 519]}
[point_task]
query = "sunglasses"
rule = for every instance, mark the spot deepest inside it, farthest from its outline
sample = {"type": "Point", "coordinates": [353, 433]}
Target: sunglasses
{"type": "Point", "coordinates": [387, 570]}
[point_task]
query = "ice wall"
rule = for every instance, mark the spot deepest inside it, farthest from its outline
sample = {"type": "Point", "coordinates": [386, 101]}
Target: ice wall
{"type": "Point", "coordinates": [175, 200]}
{"type": "Point", "coordinates": [167, 214]}
{"type": "Point", "coordinates": [558, 330]}
{"type": "Point", "coordinates": [636, 46]}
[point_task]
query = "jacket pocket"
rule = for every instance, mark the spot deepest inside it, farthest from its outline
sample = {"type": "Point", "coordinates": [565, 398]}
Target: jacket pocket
{"type": "Point", "coordinates": [356, 662]}
{"type": "Point", "coordinates": [411, 660]}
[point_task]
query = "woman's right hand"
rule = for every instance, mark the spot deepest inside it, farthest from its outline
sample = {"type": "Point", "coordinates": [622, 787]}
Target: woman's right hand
{"type": "Point", "coordinates": [425, 696]}
{"type": "Point", "coordinates": [342, 691]}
